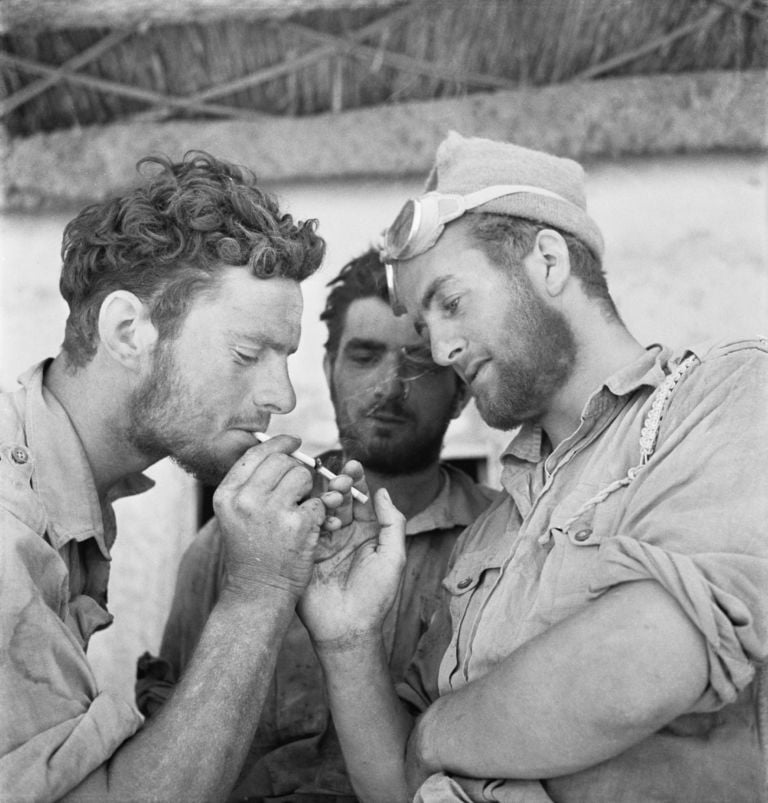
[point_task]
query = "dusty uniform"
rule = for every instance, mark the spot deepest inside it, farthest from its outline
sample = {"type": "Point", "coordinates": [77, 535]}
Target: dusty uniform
{"type": "Point", "coordinates": [593, 514]}
{"type": "Point", "coordinates": [295, 749]}
{"type": "Point", "coordinates": [56, 726]}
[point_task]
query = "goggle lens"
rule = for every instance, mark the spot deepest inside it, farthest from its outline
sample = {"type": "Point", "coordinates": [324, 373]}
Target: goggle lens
{"type": "Point", "coordinates": [402, 230]}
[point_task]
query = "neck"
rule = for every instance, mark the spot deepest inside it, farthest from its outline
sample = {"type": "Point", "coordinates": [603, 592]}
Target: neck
{"type": "Point", "coordinates": [410, 493]}
{"type": "Point", "coordinates": [94, 401]}
{"type": "Point", "coordinates": [600, 352]}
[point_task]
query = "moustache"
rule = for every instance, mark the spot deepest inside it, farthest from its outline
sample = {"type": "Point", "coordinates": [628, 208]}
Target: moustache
{"type": "Point", "coordinates": [394, 407]}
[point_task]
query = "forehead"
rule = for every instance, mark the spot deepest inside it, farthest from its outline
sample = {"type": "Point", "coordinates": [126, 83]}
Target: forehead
{"type": "Point", "coordinates": [372, 319]}
{"type": "Point", "coordinates": [453, 261]}
{"type": "Point", "coordinates": [267, 309]}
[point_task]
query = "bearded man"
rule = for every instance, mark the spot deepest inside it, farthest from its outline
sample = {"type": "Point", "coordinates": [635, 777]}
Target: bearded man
{"type": "Point", "coordinates": [604, 623]}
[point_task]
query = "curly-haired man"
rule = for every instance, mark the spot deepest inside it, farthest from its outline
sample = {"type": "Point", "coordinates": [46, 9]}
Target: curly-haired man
{"type": "Point", "coordinates": [393, 405]}
{"type": "Point", "coordinates": [185, 302]}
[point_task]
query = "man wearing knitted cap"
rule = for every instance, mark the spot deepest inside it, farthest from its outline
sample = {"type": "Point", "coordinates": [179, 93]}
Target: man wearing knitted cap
{"type": "Point", "coordinates": [603, 621]}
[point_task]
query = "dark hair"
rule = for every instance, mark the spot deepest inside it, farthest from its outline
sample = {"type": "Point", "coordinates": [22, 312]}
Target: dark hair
{"type": "Point", "coordinates": [362, 277]}
{"type": "Point", "coordinates": [507, 240]}
{"type": "Point", "coordinates": [167, 240]}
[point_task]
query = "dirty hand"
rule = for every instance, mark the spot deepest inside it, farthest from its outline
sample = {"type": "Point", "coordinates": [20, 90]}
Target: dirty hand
{"type": "Point", "coordinates": [355, 583]}
{"type": "Point", "coordinates": [269, 526]}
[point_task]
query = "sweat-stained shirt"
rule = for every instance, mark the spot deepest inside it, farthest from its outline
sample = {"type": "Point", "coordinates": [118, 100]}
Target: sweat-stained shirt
{"type": "Point", "coordinates": [296, 749]}
{"type": "Point", "coordinates": [588, 516]}
{"type": "Point", "coordinates": [56, 726]}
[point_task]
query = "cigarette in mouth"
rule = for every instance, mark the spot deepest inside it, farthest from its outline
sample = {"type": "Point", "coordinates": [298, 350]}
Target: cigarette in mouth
{"type": "Point", "coordinates": [262, 437]}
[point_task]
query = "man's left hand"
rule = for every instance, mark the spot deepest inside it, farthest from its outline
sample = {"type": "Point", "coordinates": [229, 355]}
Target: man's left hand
{"type": "Point", "coordinates": [357, 573]}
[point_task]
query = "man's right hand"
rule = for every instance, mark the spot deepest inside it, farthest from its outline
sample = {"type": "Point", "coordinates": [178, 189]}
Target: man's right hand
{"type": "Point", "coordinates": [269, 533]}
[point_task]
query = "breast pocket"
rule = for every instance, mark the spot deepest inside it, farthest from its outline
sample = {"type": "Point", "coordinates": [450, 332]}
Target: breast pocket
{"type": "Point", "coordinates": [576, 531]}
{"type": "Point", "coordinates": [16, 468]}
{"type": "Point", "coordinates": [471, 572]}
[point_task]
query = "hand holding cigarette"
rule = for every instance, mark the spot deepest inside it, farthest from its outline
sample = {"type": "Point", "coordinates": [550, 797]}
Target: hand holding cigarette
{"type": "Point", "coordinates": [262, 437]}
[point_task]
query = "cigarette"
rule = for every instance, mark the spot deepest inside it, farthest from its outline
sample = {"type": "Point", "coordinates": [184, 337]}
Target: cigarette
{"type": "Point", "coordinates": [262, 437]}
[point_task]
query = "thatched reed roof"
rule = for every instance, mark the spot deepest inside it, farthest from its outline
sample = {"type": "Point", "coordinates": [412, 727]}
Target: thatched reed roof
{"type": "Point", "coordinates": [241, 60]}
{"type": "Point", "coordinates": [72, 65]}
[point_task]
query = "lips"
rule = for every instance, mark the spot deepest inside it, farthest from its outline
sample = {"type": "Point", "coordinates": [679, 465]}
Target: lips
{"type": "Point", "coordinates": [389, 418]}
{"type": "Point", "coordinates": [470, 375]}
{"type": "Point", "coordinates": [251, 428]}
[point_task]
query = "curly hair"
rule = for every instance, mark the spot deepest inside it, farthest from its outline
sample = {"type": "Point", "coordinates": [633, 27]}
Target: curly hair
{"type": "Point", "coordinates": [169, 238]}
{"type": "Point", "coordinates": [506, 240]}
{"type": "Point", "coordinates": [362, 277]}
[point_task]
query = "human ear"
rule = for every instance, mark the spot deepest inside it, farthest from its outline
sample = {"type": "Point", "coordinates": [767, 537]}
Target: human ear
{"type": "Point", "coordinates": [125, 330]}
{"type": "Point", "coordinates": [551, 251]}
{"type": "Point", "coordinates": [328, 369]}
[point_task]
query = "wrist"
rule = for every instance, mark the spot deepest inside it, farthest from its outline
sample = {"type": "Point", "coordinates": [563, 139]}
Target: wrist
{"type": "Point", "coordinates": [354, 653]}
{"type": "Point", "coordinates": [252, 586]}
{"type": "Point", "coordinates": [365, 640]}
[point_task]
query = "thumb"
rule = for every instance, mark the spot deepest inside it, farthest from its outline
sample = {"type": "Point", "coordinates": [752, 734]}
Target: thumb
{"type": "Point", "coordinates": [392, 521]}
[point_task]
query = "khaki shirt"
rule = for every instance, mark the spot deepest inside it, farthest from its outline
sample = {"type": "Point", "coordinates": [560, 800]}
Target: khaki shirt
{"type": "Point", "coordinates": [574, 523]}
{"type": "Point", "coordinates": [295, 749]}
{"type": "Point", "coordinates": [56, 726]}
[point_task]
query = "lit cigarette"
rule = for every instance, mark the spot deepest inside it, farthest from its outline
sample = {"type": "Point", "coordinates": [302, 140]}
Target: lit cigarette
{"type": "Point", "coordinates": [262, 437]}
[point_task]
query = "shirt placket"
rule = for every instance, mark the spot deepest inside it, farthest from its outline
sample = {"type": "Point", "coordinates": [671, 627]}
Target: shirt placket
{"type": "Point", "coordinates": [598, 413]}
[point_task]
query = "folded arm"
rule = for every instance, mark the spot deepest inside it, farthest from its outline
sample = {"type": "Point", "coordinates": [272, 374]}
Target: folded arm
{"type": "Point", "coordinates": [583, 691]}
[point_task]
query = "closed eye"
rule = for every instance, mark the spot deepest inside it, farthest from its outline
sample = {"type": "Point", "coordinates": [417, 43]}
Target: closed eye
{"type": "Point", "coordinates": [363, 356]}
{"type": "Point", "coordinates": [245, 356]}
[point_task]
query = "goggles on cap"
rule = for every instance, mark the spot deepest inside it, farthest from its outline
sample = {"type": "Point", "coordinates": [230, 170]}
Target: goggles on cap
{"type": "Point", "coordinates": [422, 220]}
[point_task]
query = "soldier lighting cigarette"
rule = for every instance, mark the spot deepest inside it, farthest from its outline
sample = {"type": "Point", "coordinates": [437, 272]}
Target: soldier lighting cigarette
{"type": "Point", "coordinates": [315, 464]}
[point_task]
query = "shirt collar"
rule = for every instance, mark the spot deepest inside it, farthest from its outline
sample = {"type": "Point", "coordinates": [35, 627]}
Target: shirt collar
{"type": "Point", "coordinates": [648, 369]}
{"type": "Point", "coordinates": [454, 505]}
{"type": "Point", "coordinates": [458, 503]}
{"type": "Point", "coordinates": [62, 475]}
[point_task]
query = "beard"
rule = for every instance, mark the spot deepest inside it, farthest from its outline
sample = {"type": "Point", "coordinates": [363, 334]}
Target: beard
{"type": "Point", "coordinates": [162, 423]}
{"type": "Point", "coordinates": [540, 360]}
{"type": "Point", "coordinates": [390, 454]}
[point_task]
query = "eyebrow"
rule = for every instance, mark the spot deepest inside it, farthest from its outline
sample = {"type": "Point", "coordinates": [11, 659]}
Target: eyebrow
{"type": "Point", "coordinates": [434, 287]}
{"type": "Point", "coordinates": [261, 341]}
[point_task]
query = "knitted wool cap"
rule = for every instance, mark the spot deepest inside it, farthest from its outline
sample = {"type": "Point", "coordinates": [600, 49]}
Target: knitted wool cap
{"type": "Point", "coordinates": [467, 164]}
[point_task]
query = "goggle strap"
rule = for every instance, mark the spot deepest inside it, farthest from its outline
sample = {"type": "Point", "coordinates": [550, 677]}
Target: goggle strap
{"type": "Point", "coordinates": [492, 193]}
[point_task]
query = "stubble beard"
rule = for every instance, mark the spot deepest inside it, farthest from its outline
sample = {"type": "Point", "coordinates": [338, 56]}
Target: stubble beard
{"type": "Point", "coordinates": [156, 428]}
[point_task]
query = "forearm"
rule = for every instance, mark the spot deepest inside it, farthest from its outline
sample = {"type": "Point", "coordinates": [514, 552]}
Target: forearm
{"type": "Point", "coordinates": [584, 691]}
{"type": "Point", "coordinates": [195, 745]}
{"type": "Point", "coordinates": [371, 722]}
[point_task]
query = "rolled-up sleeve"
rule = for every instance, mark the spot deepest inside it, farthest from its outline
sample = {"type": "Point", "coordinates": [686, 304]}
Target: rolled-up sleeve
{"type": "Point", "coordinates": [57, 728]}
{"type": "Point", "coordinates": [696, 517]}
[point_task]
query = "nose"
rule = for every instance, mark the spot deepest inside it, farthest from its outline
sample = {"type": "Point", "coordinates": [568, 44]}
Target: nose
{"type": "Point", "coordinates": [389, 382]}
{"type": "Point", "coordinates": [272, 387]}
{"type": "Point", "coordinates": [447, 349]}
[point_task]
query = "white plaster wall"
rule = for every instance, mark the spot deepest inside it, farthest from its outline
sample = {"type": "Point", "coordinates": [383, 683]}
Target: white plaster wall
{"type": "Point", "coordinates": [686, 257]}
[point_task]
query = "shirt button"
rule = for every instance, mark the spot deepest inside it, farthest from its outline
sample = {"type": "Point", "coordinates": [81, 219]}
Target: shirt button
{"type": "Point", "coordinates": [19, 455]}
{"type": "Point", "coordinates": [464, 583]}
{"type": "Point", "coordinates": [582, 535]}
